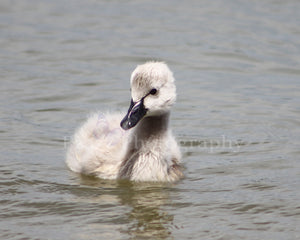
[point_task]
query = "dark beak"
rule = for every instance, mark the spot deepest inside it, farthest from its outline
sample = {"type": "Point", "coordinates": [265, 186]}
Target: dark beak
{"type": "Point", "coordinates": [135, 113]}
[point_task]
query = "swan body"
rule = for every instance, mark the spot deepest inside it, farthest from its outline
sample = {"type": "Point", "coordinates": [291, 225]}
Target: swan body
{"type": "Point", "coordinates": [139, 147]}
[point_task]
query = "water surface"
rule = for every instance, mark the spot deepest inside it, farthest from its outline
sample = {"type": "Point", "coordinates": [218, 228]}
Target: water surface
{"type": "Point", "coordinates": [236, 118]}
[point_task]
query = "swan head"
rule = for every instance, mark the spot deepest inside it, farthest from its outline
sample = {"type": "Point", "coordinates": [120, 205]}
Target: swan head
{"type": "Point", "coordinates": [153, 92]}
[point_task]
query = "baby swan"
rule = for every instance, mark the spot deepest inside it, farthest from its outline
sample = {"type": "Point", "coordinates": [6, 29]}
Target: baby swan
{"type": "Point", "coordinates": [140, 147]}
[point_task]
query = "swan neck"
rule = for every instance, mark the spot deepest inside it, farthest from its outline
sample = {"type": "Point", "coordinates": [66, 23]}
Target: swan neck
{"type": "Point", "coordinates": [152, 125]}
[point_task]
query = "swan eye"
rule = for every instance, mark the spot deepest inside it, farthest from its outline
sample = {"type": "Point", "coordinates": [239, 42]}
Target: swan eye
{"type": "Point", "coordinates": [153, 91]}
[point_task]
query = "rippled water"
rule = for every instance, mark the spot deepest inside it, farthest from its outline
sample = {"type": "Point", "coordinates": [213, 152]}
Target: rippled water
{"type": "Point", "coordinates": [237, 65]}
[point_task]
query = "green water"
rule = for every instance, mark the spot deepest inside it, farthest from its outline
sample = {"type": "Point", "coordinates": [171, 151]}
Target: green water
{"type": "Point", "coordinates": [236, 65]}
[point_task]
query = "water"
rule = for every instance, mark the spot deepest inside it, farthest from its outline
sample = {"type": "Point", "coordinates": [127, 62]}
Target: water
{"type": "Point", "coordinates": [237, 65]}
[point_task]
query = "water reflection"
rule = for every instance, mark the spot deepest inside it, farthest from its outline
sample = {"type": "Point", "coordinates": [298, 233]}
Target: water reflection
{"type": "Point", "coordinates": [145, 217]}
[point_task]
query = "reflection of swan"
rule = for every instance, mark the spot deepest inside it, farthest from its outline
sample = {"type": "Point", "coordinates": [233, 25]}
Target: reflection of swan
{"type": "Point", "coordinates": [147, 218]}
{"type": "Point", "coordinates": [148, 151]}
{"type": "Point", "coordinates": [122, 209]}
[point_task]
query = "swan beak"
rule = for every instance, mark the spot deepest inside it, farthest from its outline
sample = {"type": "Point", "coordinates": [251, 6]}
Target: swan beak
{"type": "Point", "coordinates": [135, 113]}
